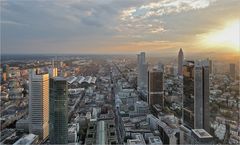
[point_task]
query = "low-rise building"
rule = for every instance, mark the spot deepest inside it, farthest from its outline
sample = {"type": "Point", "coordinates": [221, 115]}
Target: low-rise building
{"type": "Point", "coordinates": [101, 132]}
{"type": "Point", "coordinates": [137, 140]}
{"type": "Point", "coordinates": [27, 140]}
{"type": "Point", "coordinates": [73, 130]}
{"type": "Point", "coordinates": [22, 125]}
{"type": "Point", "coordinates": [154, 140]}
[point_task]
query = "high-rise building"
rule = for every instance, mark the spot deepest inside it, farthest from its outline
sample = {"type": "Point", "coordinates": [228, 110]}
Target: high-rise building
{"type": "Point", "coordinates": [195, 101]}
{"type": "Point", "coordinates": [58, 111]}
{"type": "Point", "coordinates": [5, 72]}
{"type": "Point", "coordinates": [142, 68]}
{"type": "Point", "coordinates": [210, 66]}
{"type": "Point", "coordinates": [180, 61]}
{"type": "Point", "coordinates": [196, 95]}
{"type": "Point", "coordinates": [53, 72]}
{"type": "Point", "coordinates": [39, 104]}
{"type": "Point", "coordinates": [5, 68]}
{"type": "Point", "coordinates": [232, 70]}
{"type": "Point", "coordinates": [155, 87]}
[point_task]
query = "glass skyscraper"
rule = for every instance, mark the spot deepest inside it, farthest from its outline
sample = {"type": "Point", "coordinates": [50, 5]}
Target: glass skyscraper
{"type": "Point", "coordinates": [142, 67]}
{"type": "Point", "coordinates": [196, 95]}
{"type": "Point", "coordinates": [58, 111]}
{"type": "Point", "coordinates": [155, 87]}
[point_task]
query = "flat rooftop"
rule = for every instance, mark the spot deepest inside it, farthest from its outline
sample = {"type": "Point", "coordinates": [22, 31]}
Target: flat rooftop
{"type": "Point", "coordinates": [27, 140]}
{"type": "Point", "coordinates": [201, 133]}
{"type": "Point", "coordinates": [155, 139]}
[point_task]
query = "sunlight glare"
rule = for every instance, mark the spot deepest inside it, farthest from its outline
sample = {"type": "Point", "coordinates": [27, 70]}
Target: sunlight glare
{"type": "Point", "coordinates": [228, 37]}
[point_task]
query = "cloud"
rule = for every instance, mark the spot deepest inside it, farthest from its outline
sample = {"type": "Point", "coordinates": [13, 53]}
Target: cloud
{"type": "Point", "coordinates": [11, 23]}
{"type": "Point", "coordinates": [147, 19]}
{"type": "Point", "coordinates": [164, 7]}
{"type": "Point", "coordinates": [92, 26]}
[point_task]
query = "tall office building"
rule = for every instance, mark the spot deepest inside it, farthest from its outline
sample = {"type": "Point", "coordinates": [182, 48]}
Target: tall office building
{"type": "Point", "coordinates": [232, 70]}
{"type": "Point", "coordinates": [53, 72]}
{"type": "Point", "coordinates": [39, 104]}
{"type": "Point", "coordinates": [196, 95]}
{"type": "Point", "coordinates": [5, 72]}
{"type": "Point", "coordinates": [142, 68]}
{"type": "Point", "coordinates": [155, 86]}
{"type": "Point", "coordinates": [210, 66]}
{"type": "Point", "coordinates": [58, 111]}
{"type": "Point", "coordinates": [180, 61]}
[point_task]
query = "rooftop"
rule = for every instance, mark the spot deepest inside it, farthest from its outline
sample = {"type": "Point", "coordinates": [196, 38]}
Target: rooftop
{"type": "Point", "coordinates": [27, 140]}
{"type": "Point", "coordinates": [155, 140]}
{"type": "Point", "coordinates": [201, 133]}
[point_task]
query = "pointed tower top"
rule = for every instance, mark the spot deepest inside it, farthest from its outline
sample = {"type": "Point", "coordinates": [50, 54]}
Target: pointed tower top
{"type": "Point", "coordinates": [180, 51]}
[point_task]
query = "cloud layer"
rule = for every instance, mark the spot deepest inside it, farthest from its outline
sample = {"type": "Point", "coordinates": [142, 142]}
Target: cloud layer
{"type": "Point", "coordinates": [109, 26]}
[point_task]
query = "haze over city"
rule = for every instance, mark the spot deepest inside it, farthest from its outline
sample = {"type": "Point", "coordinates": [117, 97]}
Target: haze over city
{"type": "Point", "coordinates": [127, 72]}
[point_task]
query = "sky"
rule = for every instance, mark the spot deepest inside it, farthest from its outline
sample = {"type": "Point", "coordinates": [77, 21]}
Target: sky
{"type": "Point", "coordinates": [206, 27]}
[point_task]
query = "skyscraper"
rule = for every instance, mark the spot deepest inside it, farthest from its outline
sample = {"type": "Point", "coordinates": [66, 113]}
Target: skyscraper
{"type": "Point", "coordinates": [39, 104]}
{"type": "Point", "coordinates": [210, 66]}
{"type": "Point", "coordinates": [196, 95]}
{"type": "Point", "coordinates": [155, 87]}
{"type": "Point", "coordinates": [180, 61]}
{"type": "Point", "coordinates": [201, 90]}
{"type": "Point", "coordinates": [53, 72]}
{"type": "Point", "coordinates": [142, 68]}
{"type": "Point", "coordinates": [232, 69]}
{"type": "Point", "coordinates": [58, 111]}
{"type": "Point", "coordinates": [5, 72]}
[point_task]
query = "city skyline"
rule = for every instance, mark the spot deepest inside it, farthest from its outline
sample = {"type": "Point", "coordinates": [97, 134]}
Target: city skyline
{"type": "Point", "coordinates": [111, 27]}
{"type": "Point", "coordinates": [144, 72]}
{"type": "Point", "coordinates": [106, 100]}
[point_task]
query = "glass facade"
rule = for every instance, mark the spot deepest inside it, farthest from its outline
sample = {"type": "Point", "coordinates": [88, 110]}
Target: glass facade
{"type": "Point", "coordinates": [58, 111]}
{"type": "Point", "coordinates": [188, 94]}
{"type": "Point", "coordinates": [196, 94]}
{"type": "Point", "coordinates": [155, 87]}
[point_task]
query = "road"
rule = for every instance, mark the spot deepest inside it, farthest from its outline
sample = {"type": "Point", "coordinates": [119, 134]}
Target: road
{"type": "Point", "coordinates": [73, 108]}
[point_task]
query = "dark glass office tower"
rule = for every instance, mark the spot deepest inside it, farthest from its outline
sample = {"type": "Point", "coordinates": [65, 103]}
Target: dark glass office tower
{"type": "Point", "coordinates": [196, 94]}
{"type": "Point", "coordinates": [155, 87]}
{"type": "Point", "coordinates": [188, 94]}
{"type": "Point", "coordinates": [232, 70]}
{"type": "Point", "coordinates": [58, 111]}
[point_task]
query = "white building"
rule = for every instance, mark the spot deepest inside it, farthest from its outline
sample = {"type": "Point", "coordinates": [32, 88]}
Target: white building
{"type": "Point", "coordinates": [39, 104]}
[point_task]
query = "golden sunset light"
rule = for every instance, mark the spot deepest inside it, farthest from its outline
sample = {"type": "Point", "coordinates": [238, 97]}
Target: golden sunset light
{"type": "Point", "coordinates": [227, 38]}
{"type": "Point", "coordinates": [120, 72]}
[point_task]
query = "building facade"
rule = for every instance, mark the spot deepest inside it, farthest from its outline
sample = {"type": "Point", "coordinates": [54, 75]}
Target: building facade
{"type": "Point", "coordinates": [155, 87]}
{"type": "Point", "coordinates": [232, 70]}
{"type": "Point", "coordinates": [101, 132]}
{"type": "Point", "coordinates": [180, 61]}
{"type": "Point", "coordinates": [39, 104]}
{"type": "Point", "coordinates": [58, 111]}
{"type": "Point", "coordinates": [142, 68]}
{"type": "Point", "coordinates": [196, 94]}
